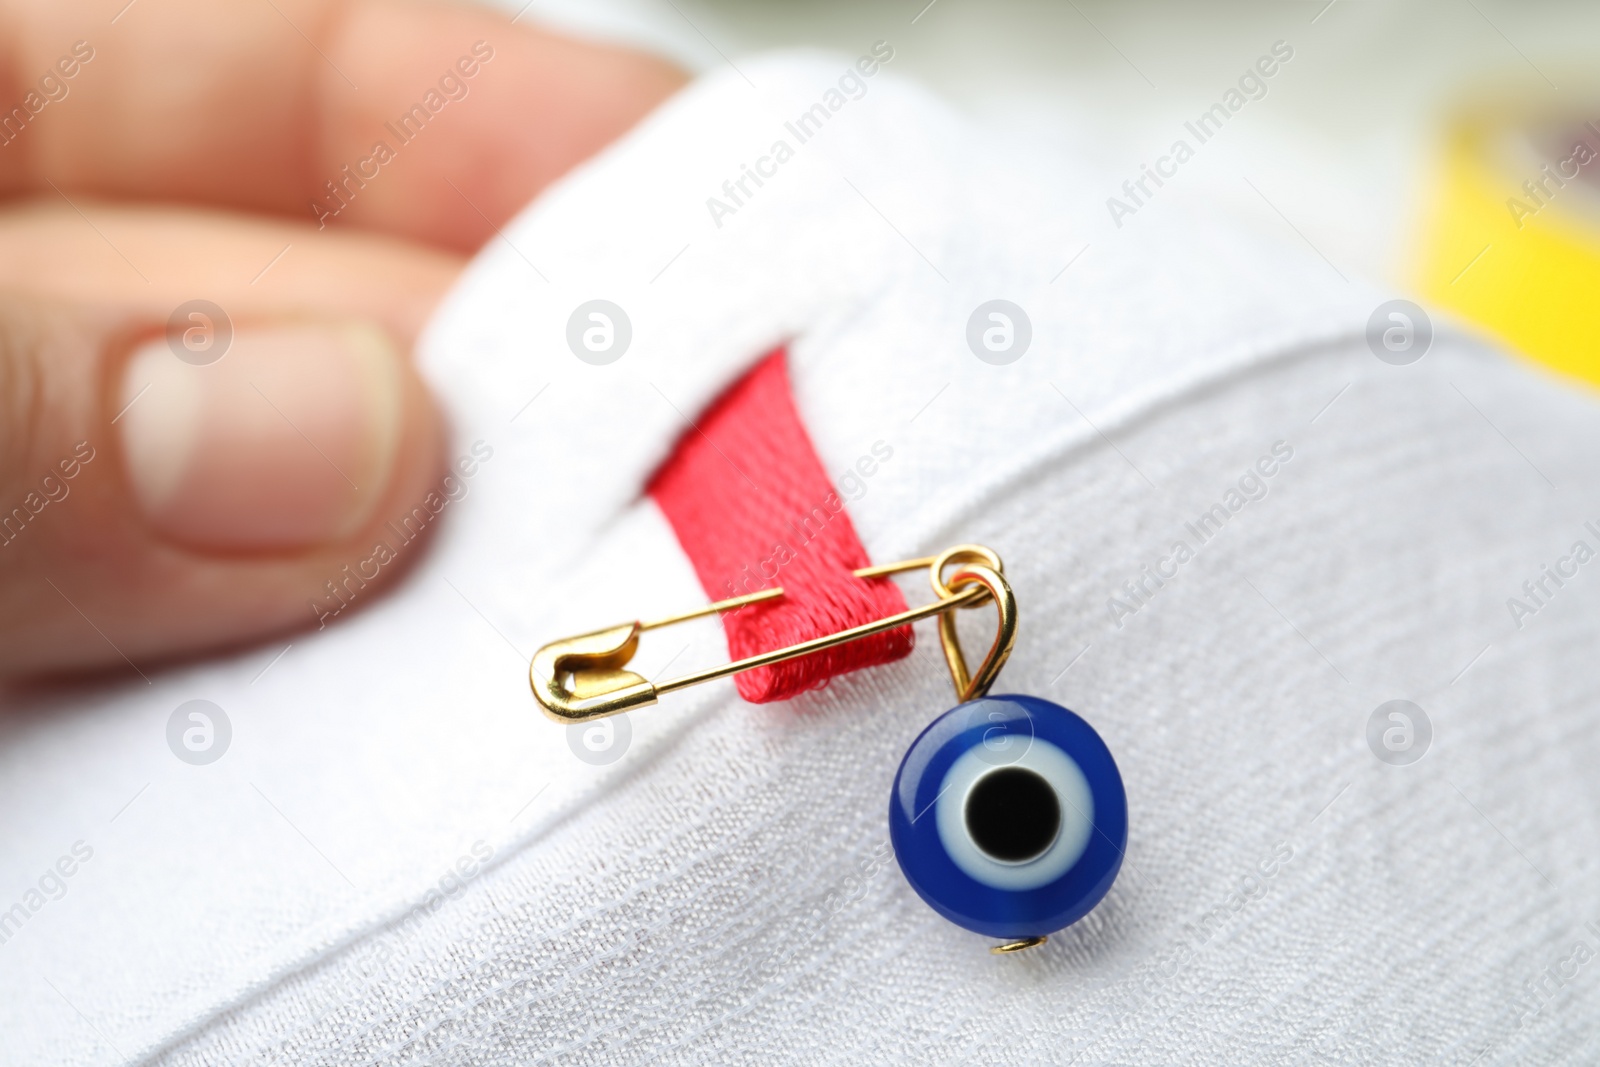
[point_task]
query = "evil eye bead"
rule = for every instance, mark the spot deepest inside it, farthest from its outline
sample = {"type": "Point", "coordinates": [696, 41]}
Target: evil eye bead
{"type": "Point", "coordinates": [1008, 816]}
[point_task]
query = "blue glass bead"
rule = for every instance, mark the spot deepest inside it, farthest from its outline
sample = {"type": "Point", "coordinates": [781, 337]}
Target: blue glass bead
{"type": "Point", "coordinates": [1008, 816]}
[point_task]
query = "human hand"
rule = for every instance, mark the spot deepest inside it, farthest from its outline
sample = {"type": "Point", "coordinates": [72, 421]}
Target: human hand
{"type": "Point", "coordinates": [156, 500]}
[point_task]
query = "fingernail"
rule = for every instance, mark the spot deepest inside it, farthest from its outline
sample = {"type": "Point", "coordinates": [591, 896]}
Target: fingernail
{"type": "Point", "coordinates": [287, 441]}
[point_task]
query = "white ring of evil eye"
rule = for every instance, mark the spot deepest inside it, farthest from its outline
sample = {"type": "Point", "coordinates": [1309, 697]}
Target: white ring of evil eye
{"type": "Point", "coordinates": [1062, 774]}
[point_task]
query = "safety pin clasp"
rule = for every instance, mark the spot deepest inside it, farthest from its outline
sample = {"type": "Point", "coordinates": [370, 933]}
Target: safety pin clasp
{"type": "Point", "coordinates": [580, 678]}
{"type": "Point", "coordinates": [585, 677]}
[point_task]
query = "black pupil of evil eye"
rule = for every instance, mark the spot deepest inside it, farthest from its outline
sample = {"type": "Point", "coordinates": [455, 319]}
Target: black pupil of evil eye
{"type": "Point", "coordinates": [1013, 814]}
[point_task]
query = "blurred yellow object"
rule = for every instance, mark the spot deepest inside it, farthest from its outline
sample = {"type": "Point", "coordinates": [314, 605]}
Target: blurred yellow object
{"type": "Point", "coordinates": [1512, 240]}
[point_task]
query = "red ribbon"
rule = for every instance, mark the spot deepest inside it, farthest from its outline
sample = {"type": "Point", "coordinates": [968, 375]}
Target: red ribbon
{"type": "Point", "coordinates": [753, 508]}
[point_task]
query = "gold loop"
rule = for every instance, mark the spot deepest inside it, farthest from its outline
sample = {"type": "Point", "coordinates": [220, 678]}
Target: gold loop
{"type": "Point", "coordinates": [1019, 945]}
{"type": "Point", "coordinates": [960, 554]}
{"type": "Point", "coordinates": [972, 686]}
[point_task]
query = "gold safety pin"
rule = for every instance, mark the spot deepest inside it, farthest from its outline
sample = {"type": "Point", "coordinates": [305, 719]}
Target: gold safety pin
{"type": "Point", "coordinates": [580, 678]}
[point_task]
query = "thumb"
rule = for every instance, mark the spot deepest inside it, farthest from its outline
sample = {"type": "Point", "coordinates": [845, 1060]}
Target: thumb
{"type": "Point", "coordinates": [167, 490]}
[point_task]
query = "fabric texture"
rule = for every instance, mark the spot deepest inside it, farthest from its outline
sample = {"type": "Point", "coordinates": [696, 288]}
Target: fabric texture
{"type": "Point", "coordinates": [399, 861]}
{"type": "Point", "coordinates": [753, 509]}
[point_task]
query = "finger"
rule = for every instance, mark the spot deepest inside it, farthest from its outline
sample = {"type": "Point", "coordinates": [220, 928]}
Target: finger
{"type": "Point", "coordinates": [148, 260]}
{"type": "Point", "coordinates": [163, 494]}
{"type": "Point", "coordinates": [264, 106]}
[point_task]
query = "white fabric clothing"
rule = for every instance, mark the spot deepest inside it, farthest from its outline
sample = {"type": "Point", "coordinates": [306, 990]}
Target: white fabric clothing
{"type": "Point", "coordinates": [713, 895]}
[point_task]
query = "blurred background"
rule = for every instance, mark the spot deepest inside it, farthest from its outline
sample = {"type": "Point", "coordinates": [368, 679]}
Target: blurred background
{"type": "Point", "coordinates": [1393, 143]}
